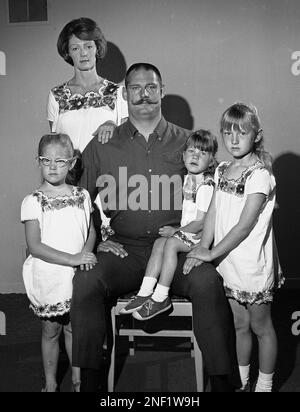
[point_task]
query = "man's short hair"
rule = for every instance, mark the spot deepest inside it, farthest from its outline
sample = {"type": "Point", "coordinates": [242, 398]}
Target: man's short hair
{"type": "Point", "coordinates": [145, 66]}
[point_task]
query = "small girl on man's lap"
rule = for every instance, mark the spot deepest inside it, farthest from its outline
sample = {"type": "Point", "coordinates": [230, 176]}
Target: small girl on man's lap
{"type": "Point", "coordinates": [199, 160]}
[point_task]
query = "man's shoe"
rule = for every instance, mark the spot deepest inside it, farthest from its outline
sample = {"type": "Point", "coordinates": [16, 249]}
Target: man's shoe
{"type": "Point", "coordinates": [152, 308]}
{"type": "Point", "coordinates": [135, 304]}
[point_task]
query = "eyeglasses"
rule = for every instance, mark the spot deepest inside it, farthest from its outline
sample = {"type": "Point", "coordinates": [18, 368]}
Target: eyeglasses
{"type": "Point", "coordinates": [151, 88]}
{"type": "Point", "coordinates": [60, 163]}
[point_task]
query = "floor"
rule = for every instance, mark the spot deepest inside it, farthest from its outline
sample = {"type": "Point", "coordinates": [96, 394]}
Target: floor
{"type": "Point", "coordinates": [159, 364]}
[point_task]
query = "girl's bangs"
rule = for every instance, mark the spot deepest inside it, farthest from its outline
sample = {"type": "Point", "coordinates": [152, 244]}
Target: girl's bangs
{"type": "Point", "coordinates": [239, 124]}
{"type": "Point", "coordinates": [202, 143]}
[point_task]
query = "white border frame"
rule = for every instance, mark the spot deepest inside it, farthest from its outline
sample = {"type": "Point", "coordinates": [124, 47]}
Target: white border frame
{"type": "Point", "coordinates": [29, 23]}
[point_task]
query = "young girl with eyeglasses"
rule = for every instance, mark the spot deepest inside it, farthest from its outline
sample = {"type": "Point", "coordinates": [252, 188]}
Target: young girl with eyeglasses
{"type": "Point", "coordinates": [239, 224]}
{"type": "Point", "coordinates": [60, 237]}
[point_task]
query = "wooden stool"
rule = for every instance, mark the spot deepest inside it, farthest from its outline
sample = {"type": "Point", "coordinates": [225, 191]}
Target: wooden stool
{"type": "Point", "coordinates": [181, 307]}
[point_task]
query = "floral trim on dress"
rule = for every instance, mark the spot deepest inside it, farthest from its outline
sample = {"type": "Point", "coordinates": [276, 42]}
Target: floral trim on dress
{"type": "Point", "coordinates": [258, 298]}
{"type": "Point", "coordinates": [106, 96]}
{"type": "Point", "coordinates": [106, 232]}
{"type": "Point", "coordinates": [190, 188]}
{"type": "Point", "coordinates": [179, 234]}
{"type": "Point", "coordinates": [76, 199]}
{"type": "Point", "coordinates": [232, 186]}
{"type": "Point", "coordinates": [49, 311]}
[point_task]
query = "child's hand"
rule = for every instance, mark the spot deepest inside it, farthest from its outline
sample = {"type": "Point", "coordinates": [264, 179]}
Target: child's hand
{"type": "Point", "coordinates": [201, 253]}
{"type": "Point", "coordinates": [166, 231]}
{"type": "Point", "coordinates": [87, 267]}
{"type": "Point", "coordinates": [84, 258]}
{"type": "Point", "coordinates": [198, 235]}
{"type": "Point", "coordinates": [189, 264]}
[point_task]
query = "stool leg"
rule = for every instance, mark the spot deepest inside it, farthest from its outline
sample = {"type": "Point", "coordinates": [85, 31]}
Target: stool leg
{"type": "Point", "coordinates": [105, 344]}
{"type": "Point", "coordinates": [132, 345]}
{"type": "Point", "coordinates": [111, 372]}
{"type": "Point", "coordinates": [198, 366]}
{"type": "Point", "coordinates": [2, 324]}
{"type": "Point", "coordinates": [192, 347]}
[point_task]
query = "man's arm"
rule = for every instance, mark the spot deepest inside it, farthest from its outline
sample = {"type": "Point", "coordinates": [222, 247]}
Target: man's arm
{"type": "Point", "coordinates": [91, 169]}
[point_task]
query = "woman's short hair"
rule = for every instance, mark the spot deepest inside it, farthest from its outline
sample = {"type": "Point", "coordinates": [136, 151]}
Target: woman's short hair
{"type": "Point", "coordinates": [85, 29]}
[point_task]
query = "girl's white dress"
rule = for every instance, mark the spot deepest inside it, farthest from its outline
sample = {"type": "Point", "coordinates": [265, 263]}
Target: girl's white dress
{"type": "Point", "coordinates": [251, 272]}
{"type": "Point", "coordinates": [79, 115]}
{"type": "Point", "coordinates": [64, 223]}
{"type": "Point", "coordinates": [197, 193]}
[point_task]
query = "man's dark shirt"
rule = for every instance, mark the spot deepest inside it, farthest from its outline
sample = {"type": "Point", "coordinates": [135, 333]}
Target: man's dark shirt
{"type": "Point", "coordinates": [144, 162]}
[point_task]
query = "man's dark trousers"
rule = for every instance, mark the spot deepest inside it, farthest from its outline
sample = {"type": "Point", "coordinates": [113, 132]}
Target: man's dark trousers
{"type": "Point", "coordinates": [113, 277]}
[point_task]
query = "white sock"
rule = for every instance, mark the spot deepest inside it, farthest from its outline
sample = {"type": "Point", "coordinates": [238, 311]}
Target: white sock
{"type": "Point", "coordinates": [264, 382]}
{"type": "Point", "coordinates": [244, 374]}
{"type": "Point", "coordinates": [147, 286]}
{"type": "Point", "coordinates": [161, 293]}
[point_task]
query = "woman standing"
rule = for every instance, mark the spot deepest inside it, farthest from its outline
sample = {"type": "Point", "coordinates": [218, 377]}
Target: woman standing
{"type": "Point", "coordinates": [80, 105]}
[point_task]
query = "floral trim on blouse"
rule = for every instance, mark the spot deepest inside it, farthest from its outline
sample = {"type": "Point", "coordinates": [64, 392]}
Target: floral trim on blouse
{"type": "Point", "coordinates": [49, 311]}
{"type": "Point", "coordinates": [232, 186]}
{"type": "Point", "coordinates": [191, 187]}
{"type": "Point", "coordinates": [76, 199]}
{"type": "Point", "coordinates": [179, 234]}
{"type": "Point", "coordinates": [106, 96]}
{"type": "Point", "coordinates": [258, 298]}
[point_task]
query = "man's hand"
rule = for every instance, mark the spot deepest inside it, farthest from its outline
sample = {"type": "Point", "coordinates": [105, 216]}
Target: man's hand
{"type": "Point", "coordinates": [166, 231]}
{"type": "Point", "coordinates": [202, 253]}
{"type": "Point", "coordinates": [189, 264]}
{"type": "Point", "coordinates": [113, 247]}
{"type": "Point", "coordinates": [105, 131]}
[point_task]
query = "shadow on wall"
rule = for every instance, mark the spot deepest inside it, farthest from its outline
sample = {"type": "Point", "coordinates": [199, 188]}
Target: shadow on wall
{"type": "Point", "coordinates": [113, 66]}
{"type": "Point", "coordinates": [177, 110]}
{"type": "Point", "coordinates": [286, 216]}
{"type": "Point", "coordinates": [286, 302]}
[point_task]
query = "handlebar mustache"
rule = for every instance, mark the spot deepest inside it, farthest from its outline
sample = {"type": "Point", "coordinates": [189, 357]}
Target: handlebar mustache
{"type": "Point", "coordinates": [142, 101]}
